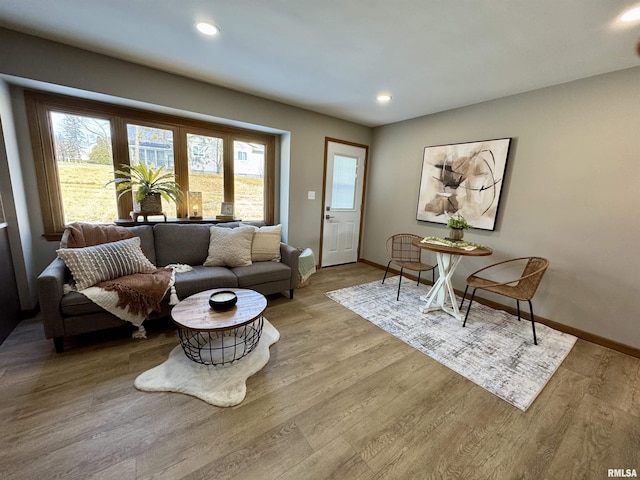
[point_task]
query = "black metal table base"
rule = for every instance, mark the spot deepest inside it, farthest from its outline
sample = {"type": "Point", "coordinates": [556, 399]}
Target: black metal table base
{"type": "Point", "coordinates": [221, 347]}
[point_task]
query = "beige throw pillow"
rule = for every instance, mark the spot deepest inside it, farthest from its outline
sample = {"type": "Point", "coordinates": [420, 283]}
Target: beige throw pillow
{"type": "Point", "coordinates": [266, 243]}
{"type": "Point", "coordinates": [230, 247]}
{"type": "Point", "coordinates": [108, 261]}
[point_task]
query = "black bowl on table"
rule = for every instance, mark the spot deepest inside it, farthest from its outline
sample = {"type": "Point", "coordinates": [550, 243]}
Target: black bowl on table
{"type": "Point", "coordinates": [223, 300]}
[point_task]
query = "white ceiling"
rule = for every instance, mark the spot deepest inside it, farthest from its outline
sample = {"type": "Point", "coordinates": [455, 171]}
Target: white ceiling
{"type": "Point", "coordinates": [335, 56]}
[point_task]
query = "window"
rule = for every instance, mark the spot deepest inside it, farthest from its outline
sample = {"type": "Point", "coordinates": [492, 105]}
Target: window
{"type": "Point", "coordinates": [84, 161]}
{"type": "Point", "coordinates": [79, 143]}
{"type": "Point", "coordinates": [248, 180]}
{"type": "Point", "coordinates": [206, 171]}
{"type": "Point", "coordinates": [345, 170]}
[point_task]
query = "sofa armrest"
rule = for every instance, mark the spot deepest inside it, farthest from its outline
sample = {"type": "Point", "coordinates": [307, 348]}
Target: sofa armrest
{"type": "Point", "coordinates": [289, 256]}
{"type": "Point", "coordinates": [50, 285]}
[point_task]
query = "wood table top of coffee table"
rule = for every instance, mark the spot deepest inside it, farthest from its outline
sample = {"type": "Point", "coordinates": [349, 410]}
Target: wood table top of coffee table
{"type": "Point", "coordinates": [194, 312]}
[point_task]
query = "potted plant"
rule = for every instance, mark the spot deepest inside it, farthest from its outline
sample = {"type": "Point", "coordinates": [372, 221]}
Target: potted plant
{"type": "Point", "coordinates": [150, 185]}
{"type": "Point", "coordinates": [457, 225]}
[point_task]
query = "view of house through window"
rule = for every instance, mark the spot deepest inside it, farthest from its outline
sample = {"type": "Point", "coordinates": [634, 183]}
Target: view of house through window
{"type": "Point", "coordinates": [248, 177]}
{"type": "Point", "coordinates": [85, 164]}
{"type": "Point", "coordinates": [153, 147]}
{"type": "Point", "coordinates": [206, 171]}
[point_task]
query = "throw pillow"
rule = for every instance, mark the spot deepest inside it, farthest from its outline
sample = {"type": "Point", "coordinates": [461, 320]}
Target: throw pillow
{"type": "Point", "coordinates": [230, 247]}
{"type": "Point", "coordinates": [91, 265]}
{"type": "Point", "coordinates": [266, 243]}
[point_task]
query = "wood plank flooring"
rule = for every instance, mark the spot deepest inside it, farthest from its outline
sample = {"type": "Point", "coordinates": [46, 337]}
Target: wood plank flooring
{"type": "Point", "coordinates": [339, 399]}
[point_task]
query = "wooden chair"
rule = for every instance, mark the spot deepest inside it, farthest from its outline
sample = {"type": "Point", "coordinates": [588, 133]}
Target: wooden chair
{"type": "Point", "coordinates": [521, 288]}
{"type": "Point", "coordinates": [403, 253]}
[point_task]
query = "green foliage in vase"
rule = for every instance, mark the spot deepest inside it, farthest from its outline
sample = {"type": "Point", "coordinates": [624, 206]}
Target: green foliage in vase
{"type": "Point", "coordinates": [457, 222]}
{"type": "Point", "coordinates": [147, 181]}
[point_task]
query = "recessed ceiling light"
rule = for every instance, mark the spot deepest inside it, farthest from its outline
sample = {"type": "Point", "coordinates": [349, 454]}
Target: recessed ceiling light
{"type": "Point", "coordinates": [631, 15]}
{"type": "Point", "coordinates": [207, 28]}
{"type": "Point", "coordinates": [384, 98]}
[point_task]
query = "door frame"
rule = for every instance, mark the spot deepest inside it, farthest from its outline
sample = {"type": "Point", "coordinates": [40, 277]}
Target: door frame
{"type": "Point", "coordinates": [324, 191]}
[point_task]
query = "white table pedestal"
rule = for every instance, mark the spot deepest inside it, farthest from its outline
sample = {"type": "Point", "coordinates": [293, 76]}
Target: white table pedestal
{"type": "Point", "coordinates": [442, 296]}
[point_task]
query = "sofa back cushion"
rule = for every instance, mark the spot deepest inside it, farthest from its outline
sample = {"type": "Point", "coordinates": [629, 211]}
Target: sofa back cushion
{"type": "Point", "coordinates": [145, 233]}
{"type": "Point", "coordinates": [181, 243]}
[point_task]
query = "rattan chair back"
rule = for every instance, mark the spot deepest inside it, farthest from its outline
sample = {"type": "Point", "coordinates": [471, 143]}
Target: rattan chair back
{"type": "Point", "coordinates": [522, 288]}
{"type": "Point", "coordinates": [531, 277]}
{"type": "Point", "coordinates": [401, 249]}
{"type": "Point", "coordinates": [405, 254]}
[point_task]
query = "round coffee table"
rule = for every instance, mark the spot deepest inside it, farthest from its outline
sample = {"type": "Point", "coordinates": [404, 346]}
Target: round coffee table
{"type": "Point", "coordinates": [215, 337]}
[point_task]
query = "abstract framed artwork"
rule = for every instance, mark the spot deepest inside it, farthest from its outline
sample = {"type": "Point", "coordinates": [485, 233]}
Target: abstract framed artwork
{"type": "Point", "coordinates": [464, 178]}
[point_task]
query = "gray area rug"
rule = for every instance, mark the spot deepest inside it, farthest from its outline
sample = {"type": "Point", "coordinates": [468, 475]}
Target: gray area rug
{"type": "Point", "coordinates": [494, 350]}
{"type": "Point", "coordinates": [223, 386]}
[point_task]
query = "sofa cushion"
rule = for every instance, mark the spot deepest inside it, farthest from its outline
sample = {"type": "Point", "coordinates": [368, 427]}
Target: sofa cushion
{"type": "Point", "coordinates": [261, 272]}
{"type": "Point", "coordinates": [74, 303]}
{"type": "Point", "coordinates": [91, 265]}
{"type": "Point", "coordinates": [203, 278]}
{"type": "Point", "coordinates": [181, 243]}
{"type": "Point", "coordinates": [229, 247]}
{"type": "Point", "coordinates": [266, 243]}
{"type": "Point", "coordinates": [145, 232]}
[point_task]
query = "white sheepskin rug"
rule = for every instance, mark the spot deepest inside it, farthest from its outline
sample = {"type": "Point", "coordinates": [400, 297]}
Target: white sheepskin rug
{"type": "Point", "coordinates": [223, 386]}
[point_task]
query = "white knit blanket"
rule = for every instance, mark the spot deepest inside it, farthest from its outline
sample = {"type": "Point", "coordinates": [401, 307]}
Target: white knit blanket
{"type": "Point", "coordinates": [109, 300]}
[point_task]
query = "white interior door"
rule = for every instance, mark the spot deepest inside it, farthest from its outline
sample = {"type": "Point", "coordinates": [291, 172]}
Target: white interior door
{"type": "Point", "coordinates": [344, 182]}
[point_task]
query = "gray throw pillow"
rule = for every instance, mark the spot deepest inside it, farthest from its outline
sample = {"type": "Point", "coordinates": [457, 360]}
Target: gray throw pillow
{"type": "Point", "coordinates": [91, 265]}
{"type": "Point", "coordinates": [230, 247]}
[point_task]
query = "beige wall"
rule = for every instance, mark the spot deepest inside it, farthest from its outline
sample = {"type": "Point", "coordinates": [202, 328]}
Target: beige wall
{"type": "Point", "coordinates": [571, 194]}
{"type": "Point", "coordinates": [303, 132]}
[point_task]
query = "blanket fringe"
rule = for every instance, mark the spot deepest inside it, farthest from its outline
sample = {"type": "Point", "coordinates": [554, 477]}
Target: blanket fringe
{"type": "Point", "coordinates": [141, 332]}
{"type": "Point", "coordinates": [173, 298]}
{"type": "Point", "coordinates": [177, 268]}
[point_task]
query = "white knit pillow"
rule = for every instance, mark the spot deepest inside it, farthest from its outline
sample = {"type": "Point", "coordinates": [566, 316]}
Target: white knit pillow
{"type": "Point", "coordinates": [230, 247]}
{"type": "Point", "coordinates": [91, 265]}
{"type": "Point", "coordinates": [266, 243]}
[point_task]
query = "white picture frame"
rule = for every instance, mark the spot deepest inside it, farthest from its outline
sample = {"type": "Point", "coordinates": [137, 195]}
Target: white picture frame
{"type": "Point", "coordinates": [227, 208]}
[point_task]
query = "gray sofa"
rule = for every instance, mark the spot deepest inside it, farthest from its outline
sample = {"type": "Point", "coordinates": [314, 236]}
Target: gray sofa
{"type": "Point", "coordinates": [69, 314]}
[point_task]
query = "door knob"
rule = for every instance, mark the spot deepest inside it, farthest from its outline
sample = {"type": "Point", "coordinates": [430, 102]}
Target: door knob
{"type": "Point", "coordinates": [328, 217]}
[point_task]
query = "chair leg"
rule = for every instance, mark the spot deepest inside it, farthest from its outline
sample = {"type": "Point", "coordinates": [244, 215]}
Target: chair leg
{"type": "Point", "coordinates": [464, 295]}
{"type": "Point", "coordinates": [518, 306]}
{"type": "Point", "coordinates": [469, 307]}
{"type": "Point", "coordinates": [385, 272]}
{"type": "Point", "coordinates": [399, 283]}
{"type": "Point", "coordinates": [418, 284]}
{"type": "Point", "coordinates": [433, 276]}
{"type": "Point", "coordinates": [533, 324]}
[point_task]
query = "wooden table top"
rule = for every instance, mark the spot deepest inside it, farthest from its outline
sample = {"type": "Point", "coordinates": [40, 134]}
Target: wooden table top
{"type": "Point", "coordinates": [194, 312]}
{"type": "Point", "coordinates": [476, 252]}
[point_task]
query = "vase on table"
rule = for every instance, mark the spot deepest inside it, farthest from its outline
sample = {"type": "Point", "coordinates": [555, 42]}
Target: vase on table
{"type": "Point", "coordinates": [456, 233]}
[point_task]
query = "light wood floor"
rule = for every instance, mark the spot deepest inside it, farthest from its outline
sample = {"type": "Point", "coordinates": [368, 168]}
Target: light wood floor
{"type": "Point", "coordinates": [339, 399]}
